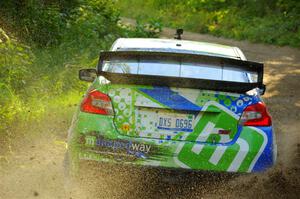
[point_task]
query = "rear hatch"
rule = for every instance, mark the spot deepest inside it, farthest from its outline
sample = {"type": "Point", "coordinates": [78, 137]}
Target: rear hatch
{"type": "Point", "coordinates": [163, 98]}
{"type": "Point", "coordinates": [177, 113]}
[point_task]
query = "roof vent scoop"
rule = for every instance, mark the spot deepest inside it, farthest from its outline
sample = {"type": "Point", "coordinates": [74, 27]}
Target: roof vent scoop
{"type": "Point", "coordinates": [178, 34]}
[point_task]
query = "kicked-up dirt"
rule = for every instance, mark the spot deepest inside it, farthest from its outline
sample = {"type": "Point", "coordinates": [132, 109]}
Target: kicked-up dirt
{"type": "Point", "coordinates": [33, 166]}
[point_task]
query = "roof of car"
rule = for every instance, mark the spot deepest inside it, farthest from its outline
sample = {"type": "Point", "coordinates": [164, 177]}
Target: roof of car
{"type": "Point", "coordinates": [173, 45]}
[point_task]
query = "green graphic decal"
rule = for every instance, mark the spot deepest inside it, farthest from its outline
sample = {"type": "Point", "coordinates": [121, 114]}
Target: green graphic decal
{"type": "Point", "coordinates": [234, 157]}
{"type": "Point", "coordinates": [210, 121]}
{"type": "Point", "coordinates": [206, 96]}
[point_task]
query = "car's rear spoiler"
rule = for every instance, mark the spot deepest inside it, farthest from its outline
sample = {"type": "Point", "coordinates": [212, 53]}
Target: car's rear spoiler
{"type": "Point", "coordinates": [218, 85]}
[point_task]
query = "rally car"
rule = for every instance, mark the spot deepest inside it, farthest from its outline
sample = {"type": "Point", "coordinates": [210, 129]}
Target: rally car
{"type": "Point", "coordinates": [173, 104]}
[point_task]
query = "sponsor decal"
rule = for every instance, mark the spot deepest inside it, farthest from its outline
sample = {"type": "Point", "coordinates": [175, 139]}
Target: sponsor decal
{"type": "Point", "coordinates": [238, 156]}
{"type": "Point", "coordinates": [103, 144]}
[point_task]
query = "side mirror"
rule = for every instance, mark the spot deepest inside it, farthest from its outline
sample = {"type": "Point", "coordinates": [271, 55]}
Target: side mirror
{"type": "Point", "coordinates": [88, 75]}
{"type": "Point", "coordinates": [262, 90]}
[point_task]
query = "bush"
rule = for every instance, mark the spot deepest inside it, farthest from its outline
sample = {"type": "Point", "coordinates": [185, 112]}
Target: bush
{"type": "Point", "coordinates": [15, 61]}
{"type": "Point", "coordinates": [55, 39]}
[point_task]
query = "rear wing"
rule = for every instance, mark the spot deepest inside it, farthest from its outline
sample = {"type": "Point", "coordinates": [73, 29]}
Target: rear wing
{"type": "Point", "coordinates": [156, 80]}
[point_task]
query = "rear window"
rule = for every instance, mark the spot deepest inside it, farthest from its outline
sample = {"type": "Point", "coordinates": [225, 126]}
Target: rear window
{"type": "Point", "coordinates": [179, 69]}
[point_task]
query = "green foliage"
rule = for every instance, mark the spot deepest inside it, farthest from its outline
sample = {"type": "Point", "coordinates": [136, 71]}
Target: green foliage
{"type": "Point", "coordinates": [150, 29]}
{"type": "Point", "coordinates": [36, 21]}
{"type": "Point", "coordinates": [267, 21]}
{"type": "Point", "coordinates": [55, 39]}
{"type": "Point", "coordinates": [15, 60]}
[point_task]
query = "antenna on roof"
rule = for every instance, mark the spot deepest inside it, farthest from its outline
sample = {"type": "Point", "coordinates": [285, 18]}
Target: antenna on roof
{"type": "Point", "coordinates": [178, 34]}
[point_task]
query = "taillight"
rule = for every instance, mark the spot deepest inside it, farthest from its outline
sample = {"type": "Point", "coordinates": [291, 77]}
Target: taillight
{"type": "Point", "coordinates": [97, 103]}
{"type": "Point", "coordinates": [256, 115]}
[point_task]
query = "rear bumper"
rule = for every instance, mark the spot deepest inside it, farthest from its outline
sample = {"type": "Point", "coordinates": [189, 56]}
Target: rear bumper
{"type": "Point", "coordinates": [252, 151]}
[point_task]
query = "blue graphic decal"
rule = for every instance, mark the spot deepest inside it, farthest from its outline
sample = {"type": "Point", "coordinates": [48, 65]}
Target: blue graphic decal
{"type": "Point", "coordinates": [237, 105]}
{"type": "Point", "coordinates": [170, 98]}
{"type": "Point", "coordinates": [175, 129]}
{"type": "Point", "coordinates": [266, 159]}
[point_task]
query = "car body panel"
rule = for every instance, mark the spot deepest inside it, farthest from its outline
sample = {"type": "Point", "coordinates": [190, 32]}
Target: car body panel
{"type": "Point", "coordinates": [138, 111]}
{"type": "Point", "coordinates": [134, 134]}
{"type": "Point", "coordinates": [102, 138]}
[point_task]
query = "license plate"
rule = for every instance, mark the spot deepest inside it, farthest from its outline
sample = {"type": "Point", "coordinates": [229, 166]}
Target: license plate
{"type": "Point", "coordinates": [175, 122]}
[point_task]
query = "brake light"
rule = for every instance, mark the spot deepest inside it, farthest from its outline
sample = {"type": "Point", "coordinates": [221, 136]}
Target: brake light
{"type": "Point", "coordinates": [97, 103]}
{"type": "Point", "coordinates": [256, 115]}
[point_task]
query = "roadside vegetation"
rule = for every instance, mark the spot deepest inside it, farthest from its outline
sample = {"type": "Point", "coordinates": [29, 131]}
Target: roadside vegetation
{"type": "Point", "coordinates": [265, 21]}
{"type": "Point", "coordinates": [43, 44]}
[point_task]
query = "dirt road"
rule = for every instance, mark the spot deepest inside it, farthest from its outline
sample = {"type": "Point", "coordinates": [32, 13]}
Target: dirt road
{"type": "Point", "coordinates": [33, 168]}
